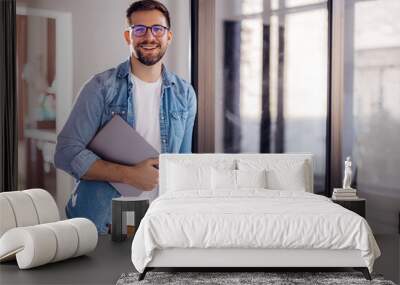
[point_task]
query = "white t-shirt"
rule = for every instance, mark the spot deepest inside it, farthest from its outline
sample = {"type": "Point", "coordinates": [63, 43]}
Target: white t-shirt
{"type": "Point", "coordinates": [147, 110]}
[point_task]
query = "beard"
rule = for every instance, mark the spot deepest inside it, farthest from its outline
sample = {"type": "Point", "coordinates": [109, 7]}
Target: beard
{"type": "Point", "coordinates": [149, 59]}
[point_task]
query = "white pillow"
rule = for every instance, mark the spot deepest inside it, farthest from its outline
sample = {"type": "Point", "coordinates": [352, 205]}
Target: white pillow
{"type": "Point", "coordinates": [226, 179]}
{"type": "Point", "coordinates": [282, 174]}
{"type": "Point", "coordinates": [223, 179]}
{"type": "Point", "coordinates": [292, 179]}
{"type": "Point", "coordinates": [182, 177]}
{"type": "Point", "coordinates": [251, 178]}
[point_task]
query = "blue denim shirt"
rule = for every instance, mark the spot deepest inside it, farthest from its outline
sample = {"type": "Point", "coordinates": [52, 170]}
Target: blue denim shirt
{"type": "Point", "coordinates": [112, 93]}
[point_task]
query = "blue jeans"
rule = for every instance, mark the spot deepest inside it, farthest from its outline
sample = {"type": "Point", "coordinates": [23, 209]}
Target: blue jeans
{"type": "Point", "coordinates": [92, 200]}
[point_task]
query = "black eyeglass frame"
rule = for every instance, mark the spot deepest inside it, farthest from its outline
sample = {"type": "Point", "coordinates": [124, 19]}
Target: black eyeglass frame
{"type": "Point", "coordinates": [131, 28]}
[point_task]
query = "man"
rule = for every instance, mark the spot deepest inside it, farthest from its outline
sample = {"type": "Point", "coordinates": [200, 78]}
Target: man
{"type": "Point", "coordinates": [157, 103]}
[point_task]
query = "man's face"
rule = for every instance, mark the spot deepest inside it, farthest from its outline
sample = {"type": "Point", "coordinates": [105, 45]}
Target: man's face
{"type": "Point", "coordinates": [148, 49]}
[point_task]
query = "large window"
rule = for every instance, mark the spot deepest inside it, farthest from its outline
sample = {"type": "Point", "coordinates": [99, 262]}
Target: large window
{"type": "Point", "coordinates": [371, 117]}
{"type": "Point", "coordinates": [308, 76]}
{"type": "Point", "coordinates": [271, 78]}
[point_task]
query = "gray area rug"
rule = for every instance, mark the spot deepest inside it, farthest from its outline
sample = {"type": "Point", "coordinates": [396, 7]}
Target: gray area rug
{"type": "Point", "coordinates": [225, 278]}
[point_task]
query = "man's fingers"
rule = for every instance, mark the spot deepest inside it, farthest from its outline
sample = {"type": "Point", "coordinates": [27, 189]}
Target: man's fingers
{"type": "Point", "coordinates": [153, 162]}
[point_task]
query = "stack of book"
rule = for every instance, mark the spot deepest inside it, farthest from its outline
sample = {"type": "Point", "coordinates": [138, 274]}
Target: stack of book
{"type": "Point", "coordinates": [344, 194]}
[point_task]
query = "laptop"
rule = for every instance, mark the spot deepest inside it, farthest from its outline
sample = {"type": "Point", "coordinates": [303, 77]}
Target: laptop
{"type": "Point", "coordinates": [120, 143]}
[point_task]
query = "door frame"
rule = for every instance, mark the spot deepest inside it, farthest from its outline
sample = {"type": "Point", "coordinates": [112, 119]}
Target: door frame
{"type": "Point", "coordinates": [64, 88]}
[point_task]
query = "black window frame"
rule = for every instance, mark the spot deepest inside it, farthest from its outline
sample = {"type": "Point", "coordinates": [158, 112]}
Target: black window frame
{"type": "Point", "coordinates": [333, 119]}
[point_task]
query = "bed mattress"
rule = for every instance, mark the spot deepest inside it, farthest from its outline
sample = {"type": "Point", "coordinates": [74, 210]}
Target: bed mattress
{"type": "Point", "coordinates": [250, 219]}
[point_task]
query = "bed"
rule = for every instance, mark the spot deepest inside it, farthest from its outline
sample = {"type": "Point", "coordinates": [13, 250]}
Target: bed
{"type": "Point", "coordinates": [247, 210]}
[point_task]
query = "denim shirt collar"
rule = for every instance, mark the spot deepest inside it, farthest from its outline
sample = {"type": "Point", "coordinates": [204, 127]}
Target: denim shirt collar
{"type": "Point", "coordinates": [124, 68]}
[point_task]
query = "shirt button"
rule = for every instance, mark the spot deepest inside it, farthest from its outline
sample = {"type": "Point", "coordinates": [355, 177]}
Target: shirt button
{"type": "Point", "coordinates": [162, 117]}
{"type": "Point", "coordinates": [164, 140]}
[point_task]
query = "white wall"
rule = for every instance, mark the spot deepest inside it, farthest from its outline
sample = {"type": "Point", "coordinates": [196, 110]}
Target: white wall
{"type": "Point", "coordinates": [178, 55]}
{"type": "Point", "coordinates": [97, 27]}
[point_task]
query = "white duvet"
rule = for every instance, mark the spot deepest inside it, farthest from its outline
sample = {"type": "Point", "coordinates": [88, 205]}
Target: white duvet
{"type": "Point", "coordinates": [250, 219]}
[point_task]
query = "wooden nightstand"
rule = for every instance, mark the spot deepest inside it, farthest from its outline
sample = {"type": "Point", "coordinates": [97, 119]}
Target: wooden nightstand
{"type": "Point", "coordinates": [355, 205]}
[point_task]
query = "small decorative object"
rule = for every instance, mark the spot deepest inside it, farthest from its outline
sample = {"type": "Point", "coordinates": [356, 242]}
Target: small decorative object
{"type": "Point", "coordinates": [346, 192]}
{"type": "Point", "coordinates": [347, 174]}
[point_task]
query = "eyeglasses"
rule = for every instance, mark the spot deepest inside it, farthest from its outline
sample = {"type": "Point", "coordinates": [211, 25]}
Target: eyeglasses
{"type": "Point", "coordinates": [141, 30]}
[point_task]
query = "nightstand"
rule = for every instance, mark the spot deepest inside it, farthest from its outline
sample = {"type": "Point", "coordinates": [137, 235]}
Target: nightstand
{"type": "Point", "coordinates": [355, 205]}
{"type": "Point", "coordinates": [119, 207]}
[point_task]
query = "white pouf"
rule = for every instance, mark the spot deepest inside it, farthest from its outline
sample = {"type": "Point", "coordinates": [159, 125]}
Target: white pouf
{"type": "Point", "coordinates": [31, 232]}
{"type": "Point", "coordinates": [40, 244]}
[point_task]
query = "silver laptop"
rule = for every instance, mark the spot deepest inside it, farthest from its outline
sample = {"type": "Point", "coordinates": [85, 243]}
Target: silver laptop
{"type": "Point", "coordinates": [120, 143]}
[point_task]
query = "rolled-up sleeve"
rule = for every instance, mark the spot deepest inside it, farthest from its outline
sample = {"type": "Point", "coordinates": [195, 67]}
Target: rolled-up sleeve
{"type": "Point", "coordinates": [186, 146]}
{"type": "Point", "coordinates": [72, 154]}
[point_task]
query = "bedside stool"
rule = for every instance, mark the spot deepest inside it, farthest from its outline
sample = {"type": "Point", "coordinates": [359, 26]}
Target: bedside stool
{"type": "Point", "coordinates": [119, 208]}
{"type": "Point", "coordinates": [356, 205]}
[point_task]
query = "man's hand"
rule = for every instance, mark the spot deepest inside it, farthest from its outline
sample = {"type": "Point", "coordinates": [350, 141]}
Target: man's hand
{"type": "Point", "coordinates": [143, 175]}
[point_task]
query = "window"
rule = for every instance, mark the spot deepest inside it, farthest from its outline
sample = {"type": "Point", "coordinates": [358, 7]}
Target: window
{"type": "Point", "coordinates": [371, 117]}
{"type": "Point", "coordinates": [271, 78]}
{"type": "Point", "coordinates": [309, 76]}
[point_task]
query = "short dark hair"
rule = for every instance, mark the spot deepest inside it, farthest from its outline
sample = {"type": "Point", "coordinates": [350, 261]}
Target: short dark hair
{"type": "Point", "coordinates": [148, 5]}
